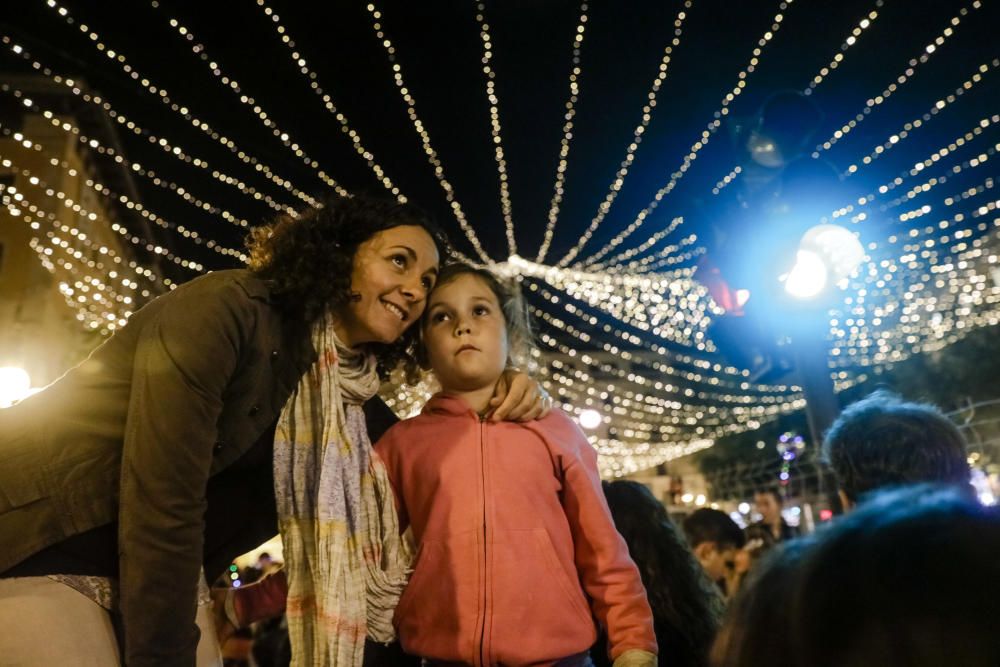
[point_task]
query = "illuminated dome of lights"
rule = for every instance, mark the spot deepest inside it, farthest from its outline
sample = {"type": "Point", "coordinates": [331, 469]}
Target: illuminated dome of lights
{"type": "Point", "coordinates": [580, 149]}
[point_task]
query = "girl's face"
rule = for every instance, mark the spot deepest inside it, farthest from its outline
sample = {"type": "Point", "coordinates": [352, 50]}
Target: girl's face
{"type": "Point", "coordinates": [465, 335]}
{"type": "Point", "coordinates": [392, 274]}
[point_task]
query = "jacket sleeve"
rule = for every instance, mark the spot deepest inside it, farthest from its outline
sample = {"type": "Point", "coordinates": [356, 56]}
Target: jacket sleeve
{"type": "Point", "coordinates": [184, 360]}
{"type": "Point", "coordinates": [607, 573]}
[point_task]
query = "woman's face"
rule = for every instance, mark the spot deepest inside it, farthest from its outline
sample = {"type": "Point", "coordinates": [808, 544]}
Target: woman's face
{"type": "Point", "coordinates": [392, 274]}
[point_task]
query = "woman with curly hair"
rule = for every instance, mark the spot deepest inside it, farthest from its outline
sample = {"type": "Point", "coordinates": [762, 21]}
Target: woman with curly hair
{"type": "Point", "coordinates": [687, 607]}
{"type": "Point", "coordinates": [241, 402]}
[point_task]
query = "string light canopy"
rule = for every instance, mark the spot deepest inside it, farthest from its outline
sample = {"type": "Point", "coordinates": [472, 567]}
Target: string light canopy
{"type": "Point", "coordinates": [624, 323]}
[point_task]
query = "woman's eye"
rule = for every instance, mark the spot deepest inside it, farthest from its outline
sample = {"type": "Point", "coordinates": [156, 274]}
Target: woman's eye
{"type": "Point", "coordinates": [427, 283]}
{"type": "Point", "coordinates": [399, 260]}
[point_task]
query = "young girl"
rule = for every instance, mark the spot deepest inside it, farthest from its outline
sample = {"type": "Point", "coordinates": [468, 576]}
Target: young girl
{"type": "Point", "coordinates": [517, 552]}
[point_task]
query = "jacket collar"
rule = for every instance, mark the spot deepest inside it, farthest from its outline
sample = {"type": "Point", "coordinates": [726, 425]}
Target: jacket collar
{"type": "Point", "coordinates": [448, 405]}
{"type": "Point", "coordinates": [252, 285]}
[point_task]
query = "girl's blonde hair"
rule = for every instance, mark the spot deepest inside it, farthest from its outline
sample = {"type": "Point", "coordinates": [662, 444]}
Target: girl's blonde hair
{"type": "Point", "coordinates": [520, 340]}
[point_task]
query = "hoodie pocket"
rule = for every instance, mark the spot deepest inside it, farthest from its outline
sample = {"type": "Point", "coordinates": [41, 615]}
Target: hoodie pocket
{"type": "Point", "coordinates": [539, 610]}
{"type": "Point", "coordinates": [437, 616]}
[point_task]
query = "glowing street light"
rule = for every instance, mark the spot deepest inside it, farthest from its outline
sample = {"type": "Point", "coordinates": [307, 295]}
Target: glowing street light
{"type": "Point", "coordinates": [15, 384]}
{"type": "Point", "coordinates": [827, 254]}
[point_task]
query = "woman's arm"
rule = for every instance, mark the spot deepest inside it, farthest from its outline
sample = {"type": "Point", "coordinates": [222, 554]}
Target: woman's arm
{"type": "Point", "coordinates": [184, 359]}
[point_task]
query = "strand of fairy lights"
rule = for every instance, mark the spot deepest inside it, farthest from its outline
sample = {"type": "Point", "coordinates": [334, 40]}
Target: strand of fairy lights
{"type": "Point", "coordinates": [267, 120]}
{"type": "Point", "coordinates": [688, 376]}
{"type": "Point", "coordinates": [629, 254]}
{"type": "Point", "coordinates": [642, 384]}
{"type": "Point", "coordinates": [300, 62]}
{"type": "Point", "coordinates": [184, 111]}
{"type": "Point", "coordinates": [558, 189]}
{"type": "Point", "coordinates": [88, 295]}
{"type": "Point", "coordinates": [16, 204]}
{"type": "Point", "coordinates": [103, 190]}
{"type": "Point", "coordinates": [919, 166]}
{"type": "Point", "coordinates": [637, 134]}
{"type": "Point", "coordinates": [122, 120]}
{"type": "Point", "coordinates": [696, 148]}
{"type": "Point", "coordinates": [651, 264]}
{"type": "Point", "coordinates": [96, 249]}
{"type": "Point", "coordinates": [923, 188]}
{"type": "Point", "coordinates": [425, 139]}
{"type": "Point", "coordinates": [820, 77]}
{"type": "Point", "coordinates": [913, 64]}
{"type": "Point", "coordinates": [106, 192]}
{"type": "Point", "coordinates": [171, 149]}
{"type": "Point", "coordinates": [68, 201]}
{"type": "Point", "coordinates": [595, 259]}
{"type": "Point", "coordinates": [494, 101]}
{"type": "Point", "coordinates": [928, 263]}
{"type": "Point", "coordinates": [938, 106]}
{"type": "Point", "coordinates": [849, 41]}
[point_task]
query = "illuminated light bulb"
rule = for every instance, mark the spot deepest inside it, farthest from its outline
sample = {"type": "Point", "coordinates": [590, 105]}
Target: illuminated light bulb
{"type": "Point", "coordinates": [15, 385]}
{"type": "Point", "coordinates": [590, 419]}
{"type": "Point", "coordinates": [808, 277]}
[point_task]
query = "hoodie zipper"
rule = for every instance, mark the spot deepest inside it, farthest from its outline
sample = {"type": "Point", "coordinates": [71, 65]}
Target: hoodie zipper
{"type": "Point", "coordinates": [482, 464]}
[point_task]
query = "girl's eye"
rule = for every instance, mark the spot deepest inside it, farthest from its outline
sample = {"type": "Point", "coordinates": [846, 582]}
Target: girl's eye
{"type": "Point", "coordinates": [439, 317]}
{"type": "Point", "coordinates": [481, 310]}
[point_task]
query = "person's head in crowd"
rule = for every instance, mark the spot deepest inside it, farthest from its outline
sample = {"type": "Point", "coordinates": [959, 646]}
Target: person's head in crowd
{"type": "Point", "coordinates": [714, 538]}
{"type": "Point", "coordinates": [909, 578]}
{"type": "Point", "coordinates": [687, 607]}
{"type": "Point", "coordinates": [365, 263]}
{"type": "Point", "coordinates": [883, 441]}
{"type": "Point", "coordinates": [768, 504]}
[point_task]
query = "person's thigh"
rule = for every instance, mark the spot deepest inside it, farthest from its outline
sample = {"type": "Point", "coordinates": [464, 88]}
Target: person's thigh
{"type": "Point", "coordinates": [44, 622]}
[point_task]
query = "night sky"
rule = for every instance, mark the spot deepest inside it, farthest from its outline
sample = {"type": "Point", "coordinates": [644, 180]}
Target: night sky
{"type": "Point", "coordinates": [438, 46]}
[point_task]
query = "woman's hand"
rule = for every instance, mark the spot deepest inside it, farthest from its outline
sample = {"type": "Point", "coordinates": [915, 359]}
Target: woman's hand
{"type": "Point", "coordinates": [518, 397]}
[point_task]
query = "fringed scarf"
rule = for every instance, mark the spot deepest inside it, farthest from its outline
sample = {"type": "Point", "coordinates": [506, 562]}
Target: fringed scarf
{"type": "Point", "coordinates": [346, 563]}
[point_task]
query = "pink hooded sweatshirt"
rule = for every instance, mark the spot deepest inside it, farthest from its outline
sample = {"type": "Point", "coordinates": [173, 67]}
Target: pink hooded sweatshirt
{"type": "Point", "coordinates": [517, 551]}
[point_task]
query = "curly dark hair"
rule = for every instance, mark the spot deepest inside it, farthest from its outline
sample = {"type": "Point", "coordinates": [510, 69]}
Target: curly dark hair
{"type": "Point", "coordinates": [307, 261]}
{"type": "Point", "coordinates": [687, 607]}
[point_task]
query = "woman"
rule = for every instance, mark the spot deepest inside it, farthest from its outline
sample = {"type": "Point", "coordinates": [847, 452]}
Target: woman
{"type": "Point", "coordinates": [155, 456]}
{"type": "Point", "coordinates": [687, 607]}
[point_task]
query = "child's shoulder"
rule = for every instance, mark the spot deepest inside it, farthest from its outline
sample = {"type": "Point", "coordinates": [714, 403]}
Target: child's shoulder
{"type": "Point", "coordinates": [561, 430]}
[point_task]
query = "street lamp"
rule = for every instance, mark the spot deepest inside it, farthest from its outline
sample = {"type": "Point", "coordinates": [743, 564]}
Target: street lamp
{"type": "Point", "coordinates": [15, 384]}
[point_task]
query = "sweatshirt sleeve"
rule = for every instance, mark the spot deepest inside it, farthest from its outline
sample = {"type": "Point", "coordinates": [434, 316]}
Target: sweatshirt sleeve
{"type": "Point", "coordinates": [388, 450]}
{"type": "Point", "coordinates": [607, 572]}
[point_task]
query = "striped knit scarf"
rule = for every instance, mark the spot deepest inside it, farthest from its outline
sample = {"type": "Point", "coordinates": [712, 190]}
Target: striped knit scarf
{"type": "Point", "coordinates": [346, 563]}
